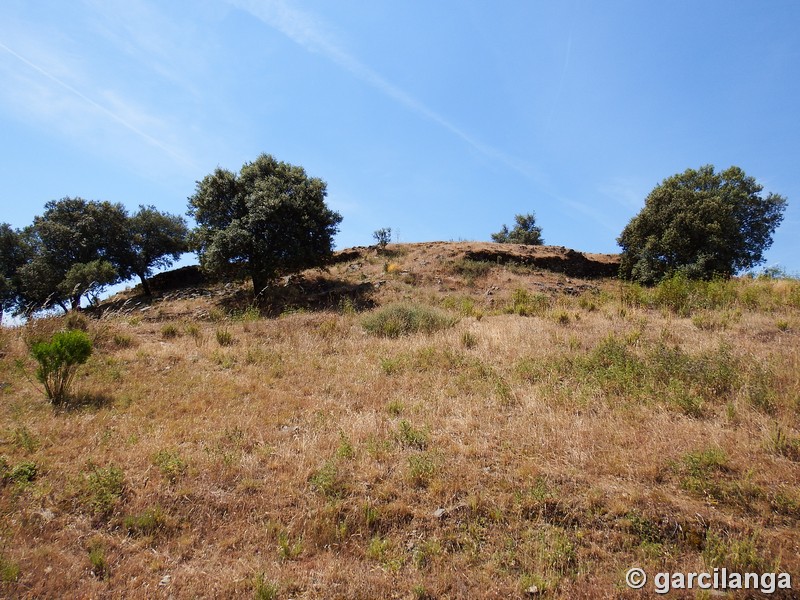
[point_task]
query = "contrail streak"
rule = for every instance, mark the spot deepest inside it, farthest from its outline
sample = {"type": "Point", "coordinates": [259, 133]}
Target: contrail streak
{"type": "Point", "coordinates": [302, 29]}
{"type": "Point", "coordinates": [98, 106]}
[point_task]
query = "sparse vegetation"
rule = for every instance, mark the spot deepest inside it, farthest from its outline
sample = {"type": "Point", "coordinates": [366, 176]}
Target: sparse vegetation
{"type": "Point", "coordinates": [406, 319]}
{"type": "Point", "coordinates": [509, 452]}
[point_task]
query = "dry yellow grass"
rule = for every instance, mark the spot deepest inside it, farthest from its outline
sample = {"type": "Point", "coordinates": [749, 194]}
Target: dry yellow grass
{"type": "Point", "coordinates": [300, 457]}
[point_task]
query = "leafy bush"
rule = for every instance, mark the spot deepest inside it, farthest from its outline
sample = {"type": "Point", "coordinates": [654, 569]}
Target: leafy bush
{"type": "Point", "coordinates": [24, 472]}
{"type": "Point", "coordinates": [395, 320]}
{"type": "Point", "coordinates": [103, 487]}
{"type": "Point", "coordinates": [59, 360]}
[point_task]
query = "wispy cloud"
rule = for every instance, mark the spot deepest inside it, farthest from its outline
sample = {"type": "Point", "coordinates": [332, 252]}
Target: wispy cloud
{"type": "Point", "coordinates": [309, 32]}
{"type": "Point", "coordinates": [170, 48]}
{"type": "Point", "coordinates": [114, 115]}
{"type": "Point", "coordinates": [561, 80]}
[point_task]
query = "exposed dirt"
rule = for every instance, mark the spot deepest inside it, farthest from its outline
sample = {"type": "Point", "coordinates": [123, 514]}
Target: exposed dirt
{"type": "Point", "coordinates": [364, 276]}
{"type": "Point", "coordinates": [551, 258]}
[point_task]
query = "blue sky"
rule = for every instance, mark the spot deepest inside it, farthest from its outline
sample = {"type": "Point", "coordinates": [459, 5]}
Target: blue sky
{"type": "Point", "coordinates": [441, 120]}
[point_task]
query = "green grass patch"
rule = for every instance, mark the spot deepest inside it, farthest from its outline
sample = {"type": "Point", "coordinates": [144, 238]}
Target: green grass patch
{"type": "Point", "coordinates": [396, 320]}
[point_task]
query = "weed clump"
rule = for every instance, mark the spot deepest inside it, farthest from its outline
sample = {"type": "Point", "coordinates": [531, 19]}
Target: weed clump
{"type": "Point", "coordinates": [225, 337]}
{"type": "Point", "coordinates": [172, 466]}
{"type": "Point", "coordinates": [97, 558]}
{"type": "Point", "coordinates": [103, 488]}
{"type": "Point", "coordinates": [525, 304]}
{"type": "Point", "coordinates": [24, 472]}
{"type": "Point", "coordinates": [170, 331]}
{"type": "Point", "coordinates": [396, 320]}
{"type": "Point", "coordinates": [148, 523]}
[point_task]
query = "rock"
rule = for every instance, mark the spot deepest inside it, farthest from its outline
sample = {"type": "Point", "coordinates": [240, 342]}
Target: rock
{"type": "Point", "coordinates": [533, 591]}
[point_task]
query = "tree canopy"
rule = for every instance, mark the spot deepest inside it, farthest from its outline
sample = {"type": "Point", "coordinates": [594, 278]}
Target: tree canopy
{"type": "Point", "coordinates": [524, 232]}
{"type": "Point", "coordinates": [70, 252]}
{"type": "Point", "coordinates": [153, 239]}
{"type": "Point", "coordinates": [13, 254]}
{"type": "Point", "coordinates": [700, 223]}
{"type": "Point", "coordinates": [269, 219]}
{"type": "Point", "coordinates": [78, 247]}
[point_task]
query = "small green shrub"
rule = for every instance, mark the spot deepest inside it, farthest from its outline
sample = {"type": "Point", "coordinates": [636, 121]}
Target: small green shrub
{"type": "Point", "coordinates": [377, 548]}
{"type": "Point", "coordinates": [97, 558]}
{"type": "Point", "coordinates": [421, 468]}
{"type": "Point", "coordinates": [76, 321]}
{"type": "Point", "coordinates": [247, 315]}
{"type": "Point", "coordinates": [395, 320]}
{"type": "Point", "coordinates": [737, 554]}
{"type": "Point", "coordinates": [395, 408]}
{"type": "Point", "coordinates": [193, 330]}
{"type": "Point", "coordinates": [411, 437]}
{"type": "Point", "coordinates": [425, 552]}
{"type": "Point", "coordinates": [469, 340]}
{"type": "Point", "coordinates": [345, 449]}
{"type": "Point", "coordinates": [26, 440]}
{"type": "Point", "coordinates": [224, 337]}
{"type": "Point", "coordinates": [700, 471]}
{"type": "Point", "coordinates": [371, 515]}
{"type": "Point", "coordinates": [328, 481]}
{"type": "Point", "coordinates": [9, 571]}
{"type": "Point", "coordinates": [103, 488]}
{"type": "Point", "coordinates": [263, 589]}
{"type": "Point", "coordinates": [24, 472]}
{"type": "Point", "coordinates": [471, 270]}
{"type": "Point", "coordinates": [59, 360]}
{"type": "Point", "coordinates": [462, 305]}
{"type": "Point", "coordinates": [561, 317]}
{"type": "Point", "coordinates": [170, 331]}
{"type": "Point", "coordinates": [685, 399]}
{"type": "Point", "coordinates": [147, 523]}
{"type": "Point", "coordinates": [122, 340]}
{"type": "Point", "coordinates": [288, 550]}
{"type": "Point", "coordinates": [783, 444]}
{"type": "Point", "coordinates": [172, 466]}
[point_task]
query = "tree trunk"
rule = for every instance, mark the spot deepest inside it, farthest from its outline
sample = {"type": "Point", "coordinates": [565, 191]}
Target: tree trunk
{"type": "Point", "coordinates": [260, 283]}
{"type": "Point", "coordinates": [145, 285]}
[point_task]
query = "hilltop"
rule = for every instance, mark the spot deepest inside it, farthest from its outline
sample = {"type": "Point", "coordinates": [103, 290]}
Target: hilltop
{"type": "Point", "coordinates": [432, 420]}
{"type": "Point", "coordinates": [369, 274]}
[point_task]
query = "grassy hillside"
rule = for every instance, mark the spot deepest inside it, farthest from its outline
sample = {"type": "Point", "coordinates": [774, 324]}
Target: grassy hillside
{"type": "Point", "coordinates": [436, 421]}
